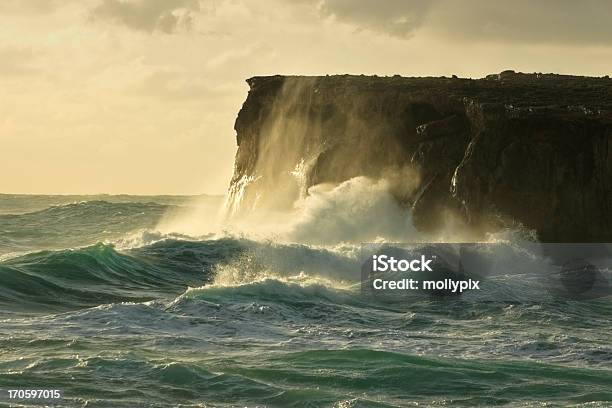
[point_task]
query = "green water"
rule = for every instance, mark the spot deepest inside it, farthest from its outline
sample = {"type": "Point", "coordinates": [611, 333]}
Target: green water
{"type": "Point", "coordinates": [118, 326]}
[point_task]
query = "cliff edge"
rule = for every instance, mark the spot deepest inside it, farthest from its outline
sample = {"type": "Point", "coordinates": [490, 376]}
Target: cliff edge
{"type": "Point", "coordinates": [511, 148]}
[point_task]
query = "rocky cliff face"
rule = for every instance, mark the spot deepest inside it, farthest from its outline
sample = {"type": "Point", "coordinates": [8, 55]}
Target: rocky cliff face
{"type": "Point", "coordinates": [510, 148]}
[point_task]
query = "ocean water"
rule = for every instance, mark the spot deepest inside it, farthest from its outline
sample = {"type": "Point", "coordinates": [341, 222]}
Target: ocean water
{"type": "Point", "coordinates": [97, 303]}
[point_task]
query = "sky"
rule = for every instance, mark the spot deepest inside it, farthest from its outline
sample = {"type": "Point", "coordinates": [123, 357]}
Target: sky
{"type": "Point", "coordinates": [140, 96]}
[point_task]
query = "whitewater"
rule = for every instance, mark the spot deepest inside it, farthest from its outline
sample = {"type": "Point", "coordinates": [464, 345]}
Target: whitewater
{"type": "Point", "coordinates": [102, 299]}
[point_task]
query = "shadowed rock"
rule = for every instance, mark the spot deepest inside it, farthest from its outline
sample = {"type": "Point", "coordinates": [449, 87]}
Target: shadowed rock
{"type": "Point", "coordinates": [532, 149]}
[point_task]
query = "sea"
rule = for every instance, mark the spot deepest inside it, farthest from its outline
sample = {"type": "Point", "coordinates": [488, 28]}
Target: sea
{"type": "Point", "coordinates": [102, 300]}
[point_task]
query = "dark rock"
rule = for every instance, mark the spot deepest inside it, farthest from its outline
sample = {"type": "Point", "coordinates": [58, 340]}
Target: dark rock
{"type": "Point", "coordinates": [513, 148]}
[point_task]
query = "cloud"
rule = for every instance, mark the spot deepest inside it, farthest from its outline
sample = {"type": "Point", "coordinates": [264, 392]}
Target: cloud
{"type": "Point", "coordinates": [395, 17]}
{"type": "Point", "coordinates": [525, 21]}
{"type": "Point", "coordinates": [176, 86]}
{"type": "Point", "coordinates": [27, 7]}
{"type": "Point", "coordinates": [166, 16]}
{"type": "Point", "coordinates": [16, 61]}
{"type": "Point", "coordinates": [37, 7]}
{"type": "Point", "coordinates": [517, 21]}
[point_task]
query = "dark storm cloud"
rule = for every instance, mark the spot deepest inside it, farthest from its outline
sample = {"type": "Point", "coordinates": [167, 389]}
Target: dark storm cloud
{"type": "Point", "coordinates": [149, 15]}
{"type": "Point", "coordinates": [395, 17]}
{"type": "Point", "coordinates": [520, 21]}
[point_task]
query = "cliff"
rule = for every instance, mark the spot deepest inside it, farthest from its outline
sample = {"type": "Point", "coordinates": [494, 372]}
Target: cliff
{"type": "Point", "coordinates": [511, 148]}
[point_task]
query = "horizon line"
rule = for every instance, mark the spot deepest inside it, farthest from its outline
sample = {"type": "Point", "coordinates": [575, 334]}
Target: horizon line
{"type": "Point", "coordinates": [113, 194]}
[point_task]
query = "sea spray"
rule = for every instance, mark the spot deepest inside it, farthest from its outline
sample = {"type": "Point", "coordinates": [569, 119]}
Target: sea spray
{"type": "Point", "coordinates": [296, 315]}
{"type": "Point", "coordinates": [274, 181]}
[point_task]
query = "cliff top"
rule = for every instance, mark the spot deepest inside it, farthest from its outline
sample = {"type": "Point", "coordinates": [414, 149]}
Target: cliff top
{"type": "Point", "coordinates": [588, 95]}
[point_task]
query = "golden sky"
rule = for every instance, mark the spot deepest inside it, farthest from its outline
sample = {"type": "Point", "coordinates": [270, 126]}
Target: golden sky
{"type": "Point", "coordinates": [140, 96]}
